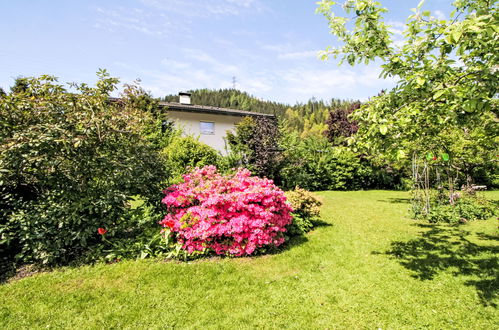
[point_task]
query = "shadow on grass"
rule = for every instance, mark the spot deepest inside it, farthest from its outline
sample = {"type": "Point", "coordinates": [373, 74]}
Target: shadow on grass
{"type": "Point", "coordinates": [297, 240]}
{"type": "Point", "coordinates": [447, 248]}
{"type": "Point", "coordinates": [7, 270]}
{"type": "Point", "coordinates": [320, 223]}
{"type": "Point", "coordinates": [294, 242]}
{"type": "Point", "coordinates": [396, 200]}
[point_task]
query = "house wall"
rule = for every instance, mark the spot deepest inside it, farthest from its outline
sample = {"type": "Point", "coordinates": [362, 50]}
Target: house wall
{"type": "Point", "coordinates": [189, 123]}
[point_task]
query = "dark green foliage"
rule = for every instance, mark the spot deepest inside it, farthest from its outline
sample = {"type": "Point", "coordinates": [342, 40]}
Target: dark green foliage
{"type": "Point", "coordinates": [310, 118]}
{"type": "Point", "coordinates": [161, 132]}
{"type": "Point", "coordinates": [187, 152]}
{"type": "Point", "coordinates": [20, 85]}
{"type": "Point", "coordinates": [255, 144]}
{"type": "Point", "coordinates": [2, 92]}
{"type": "Point", "coordinates": [70, 163]}
{"type": "Point", "coordinates": [141, 239]}
{"type": "Point", "coordinates": [306, 211]}
{"type": "Point", "coordinates": [314, 164]}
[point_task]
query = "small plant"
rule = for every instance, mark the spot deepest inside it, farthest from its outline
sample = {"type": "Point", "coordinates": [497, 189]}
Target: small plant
{"type": "Point", "coordinates": [306, 210]}
{"type": "Point", "coordinates": [230, 215]}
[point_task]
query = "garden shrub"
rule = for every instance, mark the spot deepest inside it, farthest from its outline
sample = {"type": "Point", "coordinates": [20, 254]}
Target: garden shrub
{"type": "Point", "coordinates": [188, 152]}
{"type": "Point", "coordinates": [306, 210]}
{"type": "Point", "coordinates": [69, 164]}
{"type": "Point", "coordinates": [234, 214]}
{"type": "Point", "coordinates": [465, 208]}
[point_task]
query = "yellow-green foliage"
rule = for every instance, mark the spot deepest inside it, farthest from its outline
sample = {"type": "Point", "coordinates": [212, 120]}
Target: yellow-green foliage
{"type": "Point", "coordinates": [306, 210]}
{"type": "Point", "coordinates": [304, 202]}
{"type": "Point", "coordinates": [188, 152]}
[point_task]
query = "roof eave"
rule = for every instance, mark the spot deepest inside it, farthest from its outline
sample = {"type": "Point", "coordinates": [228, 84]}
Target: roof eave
{"type": "Point", "coordinates": [213, 110]}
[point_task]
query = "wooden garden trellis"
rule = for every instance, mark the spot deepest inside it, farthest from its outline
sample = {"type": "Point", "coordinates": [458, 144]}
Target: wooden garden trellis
{"type": "Point", "coordinates": [427, 178]}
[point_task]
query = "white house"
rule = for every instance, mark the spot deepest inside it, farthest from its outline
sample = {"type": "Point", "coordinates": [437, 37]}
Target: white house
{"type": "Point", "coordinates": [210, 124]}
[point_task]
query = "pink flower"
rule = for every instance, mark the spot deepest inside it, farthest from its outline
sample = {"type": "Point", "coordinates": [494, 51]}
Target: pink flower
{"type": "Point", "coordinates": [234, 214]}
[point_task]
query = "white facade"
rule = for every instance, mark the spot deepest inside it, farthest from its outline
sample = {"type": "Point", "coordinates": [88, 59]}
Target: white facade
{"type": "Point", "coordinates": [210, 128]}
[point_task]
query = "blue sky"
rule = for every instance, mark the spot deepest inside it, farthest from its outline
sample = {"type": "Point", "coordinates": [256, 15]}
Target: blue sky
{"type": "Point", "coordinates": [174, 45]}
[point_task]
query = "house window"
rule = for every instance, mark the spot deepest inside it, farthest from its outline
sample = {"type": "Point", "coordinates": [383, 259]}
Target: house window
{"type": "Point", "coordinates": [207, 127]}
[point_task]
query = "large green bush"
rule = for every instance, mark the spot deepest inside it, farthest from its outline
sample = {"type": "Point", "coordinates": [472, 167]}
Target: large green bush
{"type": "Point", "coordinates": [70, 162]}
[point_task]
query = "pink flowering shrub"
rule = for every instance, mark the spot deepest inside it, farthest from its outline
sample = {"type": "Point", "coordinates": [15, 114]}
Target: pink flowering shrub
{"type": "Point", "coordinates": [233, 214]}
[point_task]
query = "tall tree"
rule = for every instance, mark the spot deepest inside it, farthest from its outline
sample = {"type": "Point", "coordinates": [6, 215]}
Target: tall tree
{"type": "Point", "coordinates": [340, 126]}
{"type": "Point", "coordinates": [256, 143]}
{"type": "Point", "coordinates": [446, 71]}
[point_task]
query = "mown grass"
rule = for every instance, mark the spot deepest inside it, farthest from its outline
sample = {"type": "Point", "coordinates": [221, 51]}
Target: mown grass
{"type": "Point", "coordinates": [367, 266]}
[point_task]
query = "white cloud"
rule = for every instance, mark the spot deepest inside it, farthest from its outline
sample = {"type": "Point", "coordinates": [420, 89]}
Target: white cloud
{"type": "Point", "coordinates": [396, 27]}
{"type": "Point", "coordinates": [279, 48]}
{"type": "Point", "coordinates": [243, 3]}
{"type": "Point", "coordinates": [333, 82]}
{"type": "Point", "coordinates": [118, 18]}
{"type": "Point", "coordinates": [206, 8]}
{"type": "Point", "coordinates": [299, 55]}
{"type": "Point", "coordinates": [290, 51]}
{"type": "Point", "coordinates": [200, 70]}
{"type": "Point", "coordinates": [439, 15]}
{"type": "Point", "coordinates": [175, 65]}
{"type": "Point", "coordinates": [220, 66]}
{"type": "Point", "coordinates": [193, 69]}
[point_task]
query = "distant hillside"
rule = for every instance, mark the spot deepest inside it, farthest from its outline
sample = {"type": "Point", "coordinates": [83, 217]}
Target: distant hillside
{"type": "Point", "coordinates": [305, 118]}
{"type": "Point", "coordinates": [232, 98]}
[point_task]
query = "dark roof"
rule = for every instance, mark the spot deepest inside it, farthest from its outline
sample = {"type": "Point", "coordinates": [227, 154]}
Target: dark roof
{"type": "Point", "coordinates": [207, 109]}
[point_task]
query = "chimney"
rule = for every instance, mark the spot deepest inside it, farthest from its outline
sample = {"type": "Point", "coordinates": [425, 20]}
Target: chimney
{"type": "Point", "coordinates": [184, 98]}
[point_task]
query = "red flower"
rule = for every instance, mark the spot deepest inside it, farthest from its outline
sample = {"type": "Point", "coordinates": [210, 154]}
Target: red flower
{"type": "Point", "coordinates": [434, 157]}
{"type": "Point", "coordinates": [169, 223]}
{"type": "Point", "coordinates": [102, 231]}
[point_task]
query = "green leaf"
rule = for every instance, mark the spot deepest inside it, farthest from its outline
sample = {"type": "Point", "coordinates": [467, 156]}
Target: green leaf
{"type": "Point", "coordinates": [438, 94]}
{"type": "Point", "coordinates": [470, 105]}
{"type": "Point", "coordinates": [383, 129]}
{"type": "Point", "coordinates": [360, 6]}
{"type": "Point", "coordinates": [456, 35]}
{"type": "Point", "coordinates": [420, 4]}
{"type": "Point", "coordinates": [420, 81]}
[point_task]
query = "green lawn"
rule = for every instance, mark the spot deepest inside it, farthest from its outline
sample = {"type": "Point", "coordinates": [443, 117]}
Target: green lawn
{"type": "Point", "coordinates": [368, 266]}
